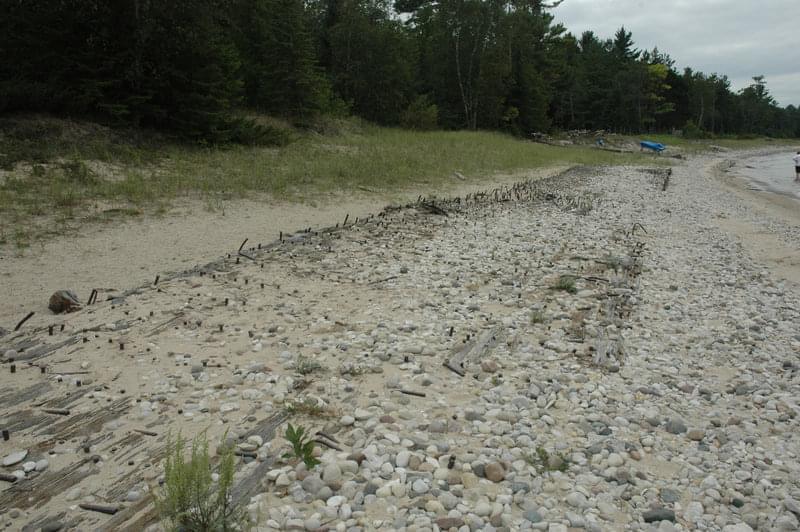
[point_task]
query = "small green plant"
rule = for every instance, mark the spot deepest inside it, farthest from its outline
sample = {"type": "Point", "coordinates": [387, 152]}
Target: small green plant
{"type": "Point", "coordinates": [353, 369]}
{"type": "Point", "coordinates": [38, 170]}
{"type": "Point", "coordinates": [547, 462]}
{"type": "Point", "coordinates": [22, 238]}
{"type": "Point", "coordinates": [566, 283]}
{"type": "Point", "coordinates": [537, 316]}
{"type": "Point", "coordinates": [77, 171]}
{"type": "Point", "coordinates": [306, 407]}
{"type": "Point", "coordinates": [302, 448]}
{"type": "Point", "coordinates": [305, 365]}
{"type": "Point", "coordinates": [189, 498]}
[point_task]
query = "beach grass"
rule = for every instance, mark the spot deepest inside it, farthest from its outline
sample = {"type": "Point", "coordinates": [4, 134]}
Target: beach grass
{"type": "Point", "coordinates": [54, 169]}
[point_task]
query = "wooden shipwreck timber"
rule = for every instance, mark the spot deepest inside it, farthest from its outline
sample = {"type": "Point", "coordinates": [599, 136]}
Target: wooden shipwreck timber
{"type": "Point", "coordinates": [92, 397]}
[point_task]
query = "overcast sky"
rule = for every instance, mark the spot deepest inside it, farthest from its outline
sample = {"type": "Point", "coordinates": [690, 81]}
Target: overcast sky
{"type": "Point", "coordinates": [738, 38]}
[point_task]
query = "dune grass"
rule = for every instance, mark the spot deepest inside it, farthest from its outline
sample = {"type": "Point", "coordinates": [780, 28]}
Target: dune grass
{"type": "Point", "coordinates": [378, 158]}
{"type": "Point", "coordinates": [58, 171]}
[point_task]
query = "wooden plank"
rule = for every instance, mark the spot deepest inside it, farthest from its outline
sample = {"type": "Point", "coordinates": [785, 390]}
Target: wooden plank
{"type": "Point", "coordinates": [14, 397]}
{"type": "Point", "coordinates": [37, 491]}
{"type": "Point", "coordinates": [84, 424]}
{"type": "Point", "coordinates": [164, 325]}
{"type": "Point", "coordinates": [249, 486]}
{"type": "Point", "coordinates": [39, 522]}
{"type": "Point", "coordinates": [42, 351]}
{"type": "Point", "coordinates": [476, 350]}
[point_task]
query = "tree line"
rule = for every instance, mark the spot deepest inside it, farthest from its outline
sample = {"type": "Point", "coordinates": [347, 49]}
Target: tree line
{"type": "Point", "coordinates": [194, 66]}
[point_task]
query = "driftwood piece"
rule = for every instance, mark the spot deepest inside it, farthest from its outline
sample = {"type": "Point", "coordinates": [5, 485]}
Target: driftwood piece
{"type": "Point", "coordinates": [249, 485]}
{"type": "Point", "coordinates": [22, 322]}
{"type": "Point", "coordinates": [326, 443]}
{"type": "Point", "coordinates": [16, 397]}
{"type": "Point", "coordinates": [474, 351]}
{"type": "Point", "coordinates": [457, 371]}
{"type": "Point", "coordinates": [36, 492]}
{"type": "Point", "coordinates": [102, 508]}
{"type": "Point", "coordinates": [84, 423]}
{"type": "Point", "coordinates": [165, 324]}
{"type": "Point", "coordinates": [390, 278]}
{"type": "Point", "coordinates": [41, 351]}
{"type": "Point", "coordinates": [57, 411]}
{"type": "Point", "coordinates": [431, 208]}
{"type": "Point", "coordinates": [132, 518]}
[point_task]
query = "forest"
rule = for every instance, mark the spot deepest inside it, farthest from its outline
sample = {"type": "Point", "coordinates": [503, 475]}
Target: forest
{"type": "Point", "coordinates": [199, 69]}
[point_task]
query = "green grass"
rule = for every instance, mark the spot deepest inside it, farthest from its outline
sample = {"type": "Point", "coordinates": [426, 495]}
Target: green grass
{"type": "Point", "coordinates": [537, 316]}
{"type": "Point", "coordinates": [544, 461]}
{"type": "Point", "coordinates": [64, 168]}
{"type": "Point", "coordinates": [382, 159]}
{"type": "Point", "coordinates": [309, 408]}
{"type": "Point", "coordinates": [565, 283]}
{"type": "Point", "coordinates": [305, 366]}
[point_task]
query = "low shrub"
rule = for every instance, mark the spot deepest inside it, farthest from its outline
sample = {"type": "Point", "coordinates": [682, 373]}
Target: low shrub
{"type": "Point", "coordinates": [189, 498]}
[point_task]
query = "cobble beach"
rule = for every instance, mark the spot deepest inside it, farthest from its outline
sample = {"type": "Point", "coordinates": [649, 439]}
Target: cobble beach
{"type": "Point", "coordinates": [604, 349]}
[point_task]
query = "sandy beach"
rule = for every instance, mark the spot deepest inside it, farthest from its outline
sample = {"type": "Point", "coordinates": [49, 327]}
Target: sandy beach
{"type": "Point", "coordinates": [769, 212]}
{"type": "Point", "coordinates": [593, 348]}
{"type": "Point", "coordinates": [115, 257]}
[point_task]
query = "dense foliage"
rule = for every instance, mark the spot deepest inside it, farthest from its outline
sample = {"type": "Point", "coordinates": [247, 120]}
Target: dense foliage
{"type": "Point", "coordinates": [193, 66]}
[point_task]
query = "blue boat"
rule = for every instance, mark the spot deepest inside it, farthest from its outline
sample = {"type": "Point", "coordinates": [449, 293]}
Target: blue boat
{"type": "Point", "coordinates": [654, 146]}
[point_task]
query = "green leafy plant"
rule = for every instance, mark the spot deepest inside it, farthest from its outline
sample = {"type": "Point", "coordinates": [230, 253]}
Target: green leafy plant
{"type": "Point", "coordinates": [566, 283]}
{"type": "Point", "coordinates": [302, 448]}
{"type": "Point", "coordinates": [353, 369]}
{"type": "Point", "coordinates": [537, 316]}
{"type": "Point", "coordinates": [547, 462]}
{"type": "Point", "coordinates": [307, 407]}
{"type": "Point", "coordinates": [189, 498]}
{"type": "Point", "coordinates": [305, 365]}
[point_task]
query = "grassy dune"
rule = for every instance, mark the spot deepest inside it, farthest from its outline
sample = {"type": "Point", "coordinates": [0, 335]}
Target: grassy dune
{"type": "Point", "coordinates": [56, 171]}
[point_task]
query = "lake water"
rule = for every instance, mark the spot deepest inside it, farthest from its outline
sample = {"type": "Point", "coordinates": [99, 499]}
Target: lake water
{"type": "Point", "coordinates": [771, 173]}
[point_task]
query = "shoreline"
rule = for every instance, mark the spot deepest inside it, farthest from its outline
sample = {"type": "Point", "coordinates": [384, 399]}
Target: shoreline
{"type": "Point", "coordinates": [763, 209]}
{"type": "Point", "coordinates": [772, 187]}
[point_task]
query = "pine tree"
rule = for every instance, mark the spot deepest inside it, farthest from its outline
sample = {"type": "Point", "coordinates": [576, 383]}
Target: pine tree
{"type": "Point", "coordinates": [279, 66]}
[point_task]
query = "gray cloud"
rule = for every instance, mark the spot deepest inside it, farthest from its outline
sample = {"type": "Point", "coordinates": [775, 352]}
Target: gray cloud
{"type": "Point", "coordinates": [737, 38]}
